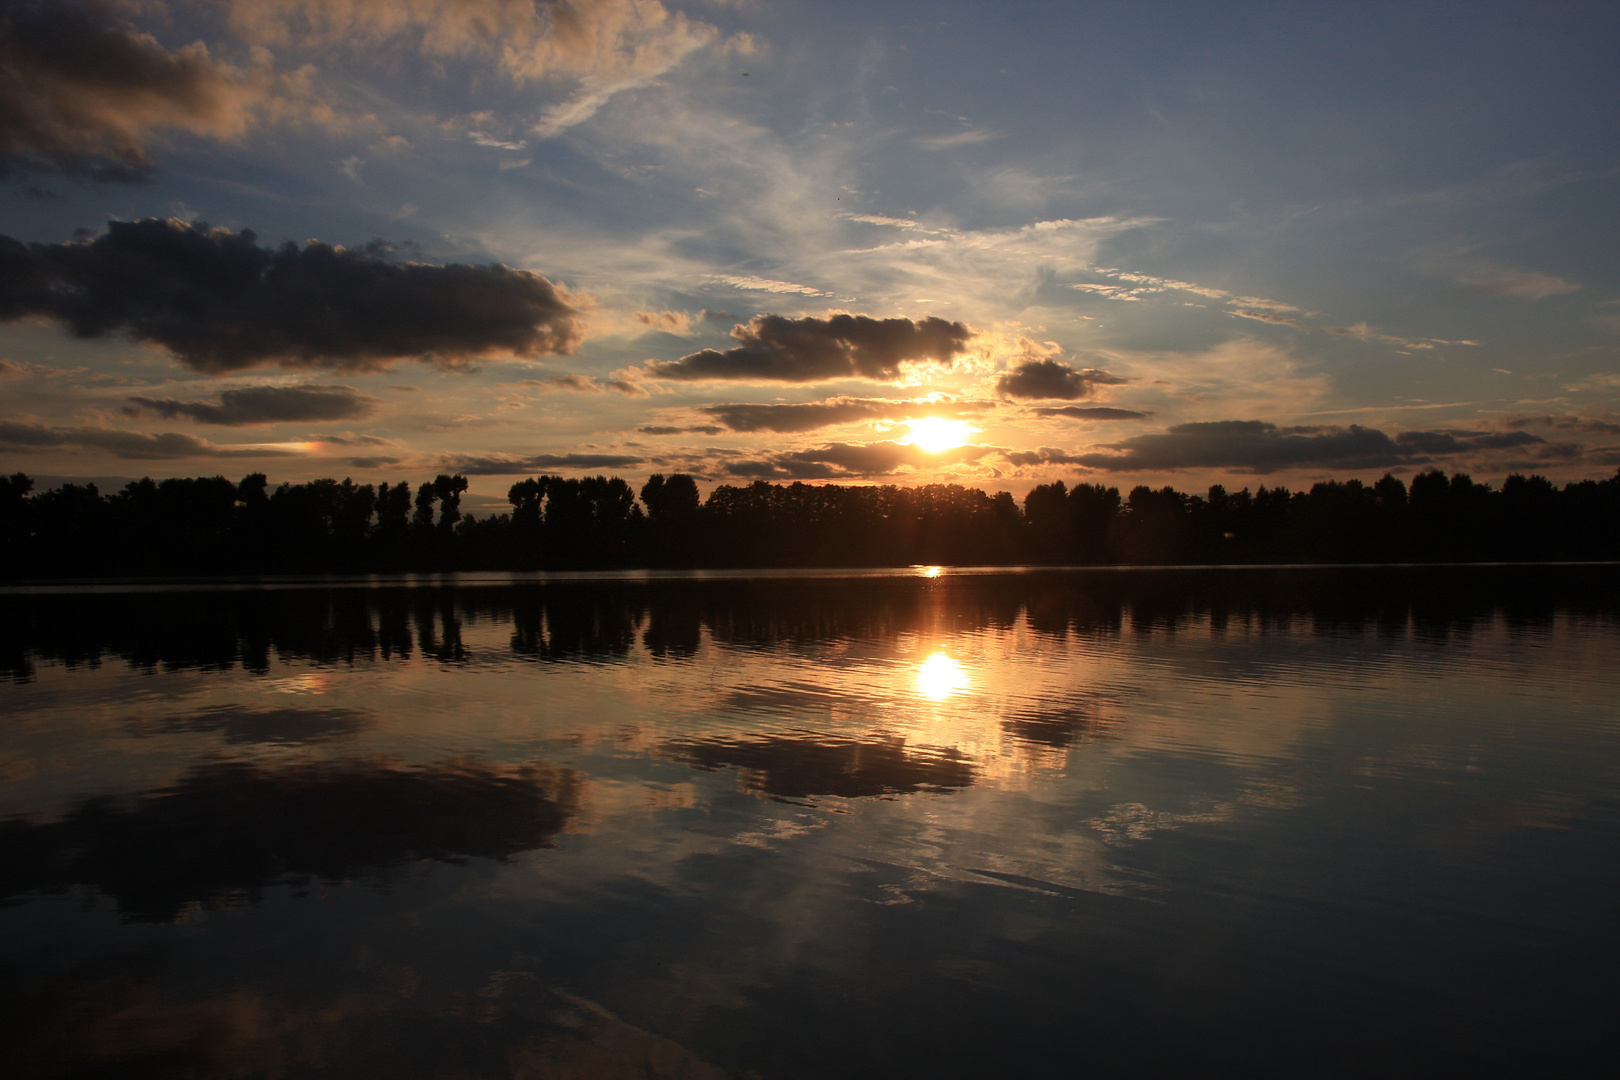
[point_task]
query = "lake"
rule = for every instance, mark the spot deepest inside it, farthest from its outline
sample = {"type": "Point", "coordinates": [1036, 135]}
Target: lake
{"type": "Point", "coordinates": [899, 823]}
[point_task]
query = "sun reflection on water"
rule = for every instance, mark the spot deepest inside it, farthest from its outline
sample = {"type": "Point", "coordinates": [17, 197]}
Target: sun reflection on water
{"type": "Point", "coordinates": [939, 677]}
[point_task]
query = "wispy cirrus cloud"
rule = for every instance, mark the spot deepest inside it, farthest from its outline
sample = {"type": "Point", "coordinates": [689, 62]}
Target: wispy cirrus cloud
{"type": "Point", "coordinates": [969, 137]}
{"type": "Point", "coordinates": [1503, 279]}
{"type": "Point", "coordinates": [763, 284]}
{"type": "Point", "coordinates": [599, 48]}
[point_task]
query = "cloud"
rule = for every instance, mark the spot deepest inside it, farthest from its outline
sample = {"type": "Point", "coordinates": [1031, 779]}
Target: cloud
{"type": "Point", "coordinates": [820, 414]}
{"type": "Point", "coordinates": [852, 461]}
{"type": "Point", "coordinates": [1053, 379]}
{"type": "Point", "coordinates": [81, 94]}
{"type": "Point", "coordinates": [1046, 455]}
{"type": "Point", "coordinates": [267, 405]}
{"type": "Point", "coordinates": [1097, 412]}
{"type": "Point", "coordinates": [770, 285]}
{"type": "Point", "coordinates": [1362, 331]}
{"type": "Point", "coordinates": [1262, 315]}
{"type": "Point", "coordinates": [357, 818]}
{"type": "Point", "coordinates": [804, 766]}
{"type": "Point", "coordinates": [1259, 447]}
{"type": "Point", "coordinates": [222, 303]}
{"type": "Point", "coordinates": [698, 429]}
{"type": "Point", "coordinates": [1589, 425]}
{"type": "Point", "coordinates": [951, 142]}
{"type": "Point", "coordinates": [130, 445]}
{"type": "Point", "coordinates": [778, 349]}
{"type": "Point", "coordinates": [879, 219]}
{"type": "Point", "coordinates": [671, 322]}
{"type": "Point", "coordinates": [585, 384]}
{"type": "Point", "coordinates": [1139, 285]}
{"type": "Point", "coordinates": [510, 465]}
{"type": "Point", "coordinates": [605, 47]}
{"type": "Point", "coordinates": [1500, 279]}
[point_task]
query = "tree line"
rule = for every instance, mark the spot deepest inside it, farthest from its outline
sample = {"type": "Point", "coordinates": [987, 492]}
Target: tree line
{"type": "Point", "coordinates": [209, 525]}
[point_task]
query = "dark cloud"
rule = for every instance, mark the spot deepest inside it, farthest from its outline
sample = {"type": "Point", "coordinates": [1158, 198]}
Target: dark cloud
{"type": "Point", "coordinates": [1053, 379]}
{"type": "Point", "coordinates": [778, 349]}
{"type": "Point", "coordinates": [820, 414]}
{"type": "Point", "coordinates": [700, 429]}
{"type": "Point", "coordinates": [1094, 412]}
{"type": "Point", "coordinates": [1259, 447]}
{"type": "Point", "coordinates": [505, 465]}
{"type": "Point", "coordinates": [1587, 424]}
{"type": "Point", "coordinates": [852, 460]}
{"type": "Point", "coordinates": [797, 767]}
{"type": "Point", "coordinates": [132, 445]}
{"type": "Point", "coordinates": [585, 384]}
{"type": "Point", "coordinates": [1452, 442]}
{"type": "Point", "coordinates": [80, 93]}
{"type": "Point", "coordinates": [1046, 455]}
{"type": "Point", "coordinates": [336, 821]}
{"type": "Point", "coordinates": [220, 302]}
{"type": "Point", "coordinates": [251, 724]}
{"type": "Point", "coordinates": [266, 405]}
{"type": "Point", "coordinates": [350, 440]}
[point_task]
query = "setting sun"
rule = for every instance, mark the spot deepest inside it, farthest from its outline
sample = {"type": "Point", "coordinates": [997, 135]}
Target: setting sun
{"type": "Point", "coordinates": [934, 434]}
{"type": "Point", "coordinates": [940, 677]}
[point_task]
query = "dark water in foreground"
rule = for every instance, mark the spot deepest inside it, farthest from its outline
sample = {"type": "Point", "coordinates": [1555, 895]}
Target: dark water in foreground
{"type": "Point", "coordinates": [1212, 822]}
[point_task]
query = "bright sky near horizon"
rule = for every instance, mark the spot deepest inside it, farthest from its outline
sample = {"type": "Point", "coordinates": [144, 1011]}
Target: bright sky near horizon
{"type": "Point", "coordinates": [769, 239]}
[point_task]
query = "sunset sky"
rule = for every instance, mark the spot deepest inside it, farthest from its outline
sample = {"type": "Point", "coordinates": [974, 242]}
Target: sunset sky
{"type": "Point", "coordinates": [751, 239]}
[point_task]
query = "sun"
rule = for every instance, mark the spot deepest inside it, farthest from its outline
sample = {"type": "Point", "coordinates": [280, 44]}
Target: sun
{"type": "Point", "coordinates": [934, 434]}
{"type": "Point", "coordinates": [939, 677]}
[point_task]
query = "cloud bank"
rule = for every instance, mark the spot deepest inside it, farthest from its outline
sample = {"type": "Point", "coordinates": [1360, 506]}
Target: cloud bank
{"type": "Point", "coordinates": [1258, 447]}
{"type": "Point", "coordinates": [775, 348]}
{"type": "Point", "coordinates": [509, 465]}
{"type": "Point", "coordinates": [252, 405]}
{"type": "Point", "coordinates": [222, 303]}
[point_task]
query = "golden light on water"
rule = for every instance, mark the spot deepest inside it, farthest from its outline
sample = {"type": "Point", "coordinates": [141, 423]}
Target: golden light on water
{"type": "Point", "coordinates": [939, 677]}
{"type": "Point", "coordinates": [935, 434]}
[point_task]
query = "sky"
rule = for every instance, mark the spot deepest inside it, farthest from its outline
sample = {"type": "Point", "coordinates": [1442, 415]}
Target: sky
{"type": "Point", "coordinates": [880, 242]}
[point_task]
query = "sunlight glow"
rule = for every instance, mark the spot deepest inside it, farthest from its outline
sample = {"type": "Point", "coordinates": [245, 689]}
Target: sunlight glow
{"type": "Point", "coordinates": [935, 434]}
{"type": "Point", "coordinates": [940, 677]}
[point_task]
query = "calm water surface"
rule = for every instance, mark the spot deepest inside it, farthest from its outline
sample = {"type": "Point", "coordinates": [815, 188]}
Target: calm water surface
{"type": "Point", "coordinates": [1160, 823]}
